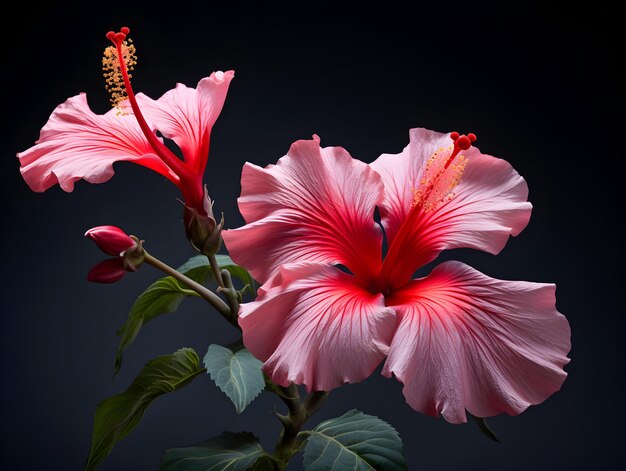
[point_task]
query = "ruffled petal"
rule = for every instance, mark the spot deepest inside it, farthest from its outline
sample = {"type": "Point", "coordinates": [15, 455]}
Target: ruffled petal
{"type": "Point", "coordinates": [315, 205]}
{"type": "Point", "coordinates": [465, 341]}
{"type": "Point", "coordinates": [486, 206]}
{"type": "Point", "coordinates": [76, 143]}
{"type": "Point", "coordinates": [187, 115]}
{"type": "Point", "coordinates": [313, 325]}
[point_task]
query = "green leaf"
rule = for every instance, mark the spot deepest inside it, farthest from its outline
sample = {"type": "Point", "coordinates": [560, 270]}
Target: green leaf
{"type": "Point", "coordinates": [161, 297]}
{"type": "Point", "coordinates": [197, 268]}
{"type": "Point", "coordinates": [117, 416]}
{"type": "Point", "coordinates": [165, 295]}
{"type": "Point", "coordinates": [232, 451]}
{"type": "Point", "coordinates": [238, 374]}
{"type": "Point", "coordinates": [484, 428]}
{"type": "Point", "coordinates": [354, 441]}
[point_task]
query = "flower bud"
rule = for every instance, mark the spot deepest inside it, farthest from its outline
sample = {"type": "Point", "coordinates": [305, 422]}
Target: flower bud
{"type": "Point", "coordinates": [110, 239]}
{"type": "Point", "coordinates": [107, 271]}
{"type": "Point", "coordinates": [113, 241]}
{"type": "Point", "coordinates": [201, 228]}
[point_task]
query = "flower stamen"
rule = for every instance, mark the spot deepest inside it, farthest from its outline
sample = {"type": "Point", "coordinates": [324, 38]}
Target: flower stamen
{"type": "Point", "coordinates": [442, 174]}
{"type": "Point", "coordinates": [112, 70]}
{"type": "Point", "coordinates": [118, 68]}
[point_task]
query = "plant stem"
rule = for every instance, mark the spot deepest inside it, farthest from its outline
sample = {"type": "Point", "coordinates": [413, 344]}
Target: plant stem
{"type": "Point", "coordinates": [313, 401]}
{"type": "Point", "coordinates": [231, 295]}
{"type": "Point", "coordinates": [215, 267]}
{"type": "Point", "coordinates": [299, 412]}
{"type": "Point", "coordinates": [212, 298]}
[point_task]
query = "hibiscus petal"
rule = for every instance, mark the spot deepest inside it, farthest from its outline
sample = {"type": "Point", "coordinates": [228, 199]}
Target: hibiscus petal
{"type": "Point", "coordinates": [314, 325]}
{"type": "Point", "coordinates": [187, 115]}
{"type": "Point", "coordinates": [317, 205]}
{"type": "Point", "coordinates": [489, 203]}
{"type": "Point", "coordinates": [76, 143]}
{"type": "Point", "coordinates": [465, 341]}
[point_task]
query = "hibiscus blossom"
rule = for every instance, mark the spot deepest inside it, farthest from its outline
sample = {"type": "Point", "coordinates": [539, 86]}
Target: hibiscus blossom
{"type": "Point", "coordinates": [331, 308]}
{"type": "Point", "coordinates": [78, 144]}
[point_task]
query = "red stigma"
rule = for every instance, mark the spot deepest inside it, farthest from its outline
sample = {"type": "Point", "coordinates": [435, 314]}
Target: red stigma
{"type": "Point", "coordinates": [119, 37]}
{"type": "Point", "coordinates": [461, 141]}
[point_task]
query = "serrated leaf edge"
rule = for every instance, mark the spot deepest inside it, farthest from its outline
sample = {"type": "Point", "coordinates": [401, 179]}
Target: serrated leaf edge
{"type": "Point", "coordinates": [214, 379]}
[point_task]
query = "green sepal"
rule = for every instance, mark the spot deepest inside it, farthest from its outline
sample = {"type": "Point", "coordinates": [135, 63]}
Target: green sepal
{"type": "Point", "coordinates": [484, 427]}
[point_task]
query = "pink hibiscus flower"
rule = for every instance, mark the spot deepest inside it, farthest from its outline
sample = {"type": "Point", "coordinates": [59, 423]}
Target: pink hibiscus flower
{"type": "Point", "coordinates": [78, 144]}
{"type": "Point", "coordinates": [456, 338]}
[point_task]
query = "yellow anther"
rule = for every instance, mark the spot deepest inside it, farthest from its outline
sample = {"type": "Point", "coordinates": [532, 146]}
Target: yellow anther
{"type": "Point", "coordinates": [438, 181]}
{"type": "Point", "coordinates": [114, 81]}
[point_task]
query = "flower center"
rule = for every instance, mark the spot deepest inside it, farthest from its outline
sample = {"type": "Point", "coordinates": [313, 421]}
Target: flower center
{"type": "Point", "coordinates": [442, 174]}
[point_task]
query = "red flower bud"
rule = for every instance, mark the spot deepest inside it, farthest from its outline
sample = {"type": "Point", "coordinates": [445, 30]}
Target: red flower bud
{"type": "Point", "coordinates": [114, 241]}
{"type": "Point", "coordinates": [107, 271]}
{"type": "Point", "coordinates": [111, 240]}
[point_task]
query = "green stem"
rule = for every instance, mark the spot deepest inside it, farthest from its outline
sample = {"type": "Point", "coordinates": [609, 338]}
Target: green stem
{"type": "Point", "coordinates": [289, 442]}
{"type": "Point", "coordinates": [231, 295]}
{"type": "Point", "coordinates": [215, 267]}
{"type": "Point", "coordinates": [313, 402]}
{"type": "Point", "coordinates": [212, 298]}
{"type": "Point", "coordinates": [291, 397]}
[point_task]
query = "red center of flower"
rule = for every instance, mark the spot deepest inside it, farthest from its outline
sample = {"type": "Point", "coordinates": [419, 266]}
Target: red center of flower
{"type": "Point", "coordinates": [117, 62]}
{"type": "Point", "coordinates": [441, 175]}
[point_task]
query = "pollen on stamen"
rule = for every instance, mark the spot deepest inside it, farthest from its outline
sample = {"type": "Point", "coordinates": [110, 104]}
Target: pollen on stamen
{"type": "Point", "coordinates": [439, 179]}
{"type": "Point", "coordinates": [114, 81]}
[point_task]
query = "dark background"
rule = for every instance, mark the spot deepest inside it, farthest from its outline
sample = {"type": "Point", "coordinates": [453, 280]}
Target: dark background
{"type": "Point", "coordinates": [538, 84]}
